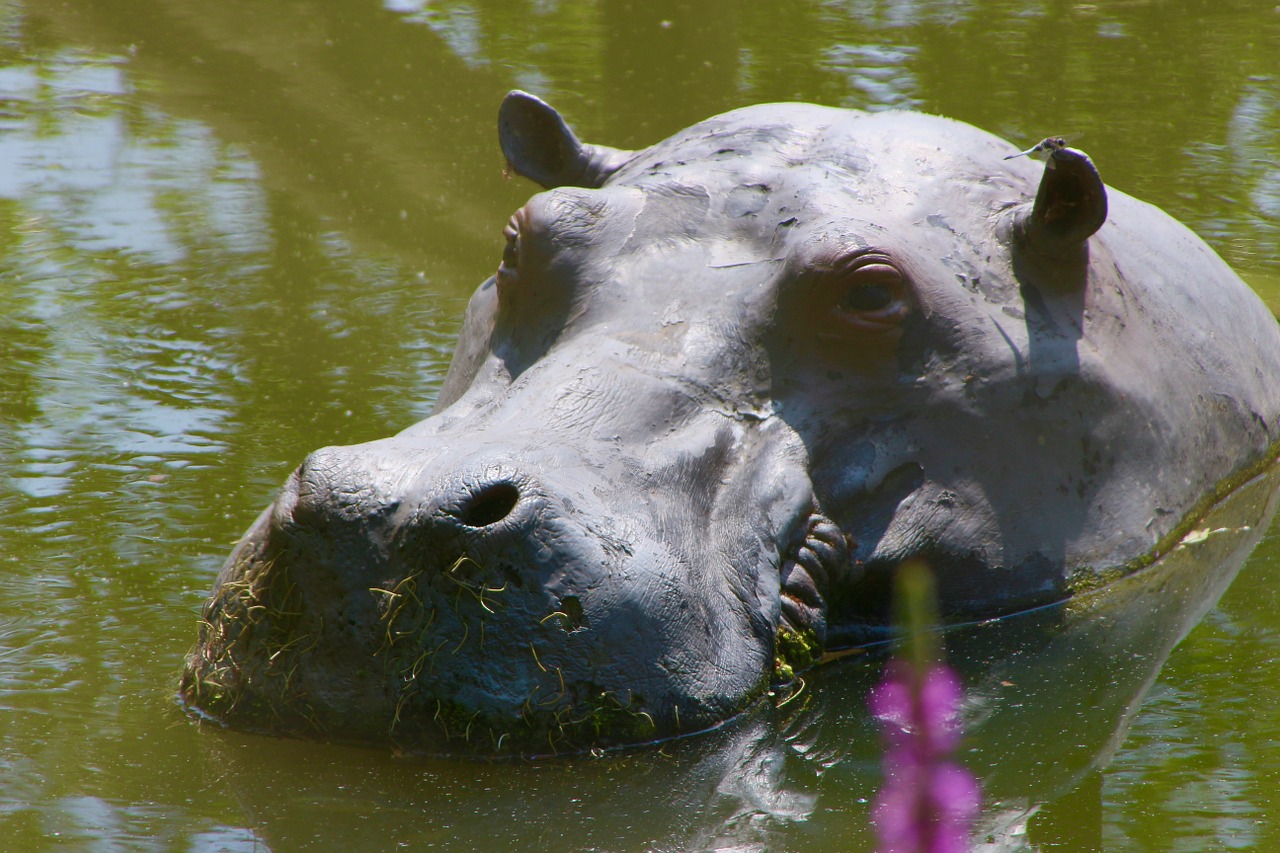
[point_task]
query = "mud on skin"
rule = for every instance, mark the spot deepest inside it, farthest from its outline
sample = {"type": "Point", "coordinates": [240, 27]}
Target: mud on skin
{"type": "Point", "coordinates": [716, 390]}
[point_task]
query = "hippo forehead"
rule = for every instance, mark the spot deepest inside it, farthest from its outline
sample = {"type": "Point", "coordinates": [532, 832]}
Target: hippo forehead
{"type": "Point", "coordinates": [727, 204]}
{"type": "Point", "coordinates": [739, 205]}
{"type": "Point", "coordinates": [823, 162]}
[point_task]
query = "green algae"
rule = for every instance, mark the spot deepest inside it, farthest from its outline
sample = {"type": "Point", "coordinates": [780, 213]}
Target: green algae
{"type": "Point", "coordinates": [793, 652]}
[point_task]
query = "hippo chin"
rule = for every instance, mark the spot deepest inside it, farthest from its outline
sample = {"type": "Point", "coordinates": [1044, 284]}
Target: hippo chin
{"type": "Point", "coordinates": [716, 391]}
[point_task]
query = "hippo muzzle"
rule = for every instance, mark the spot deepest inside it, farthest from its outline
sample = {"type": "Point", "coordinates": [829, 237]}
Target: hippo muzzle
{"type": "Point", "coordinates": [517, 579]}
{"type": "Point", "coordinates": [716, 391]}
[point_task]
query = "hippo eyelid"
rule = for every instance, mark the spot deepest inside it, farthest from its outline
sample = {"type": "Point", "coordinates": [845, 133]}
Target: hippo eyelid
{"type": "Point", "coordinates": [867, 291]}
{"type": "Point", "coordinates": [512, 229]}
{"type": "Point", "coordinates": [510, 264]}
{"type": "Point", "coordinates": [873, 288]}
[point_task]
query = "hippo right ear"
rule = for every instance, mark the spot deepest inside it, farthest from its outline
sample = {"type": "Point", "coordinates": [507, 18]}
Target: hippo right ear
{"type": "Point", "coordinates": [1070, 205]}
{"type": "Point", "coordinates": [539, 145]}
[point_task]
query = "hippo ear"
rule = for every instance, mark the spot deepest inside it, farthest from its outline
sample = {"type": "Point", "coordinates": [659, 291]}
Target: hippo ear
{"type": "Point", "coordinates": [1070, 205]}
{"type": "Point", "coordinates": [539, 145]}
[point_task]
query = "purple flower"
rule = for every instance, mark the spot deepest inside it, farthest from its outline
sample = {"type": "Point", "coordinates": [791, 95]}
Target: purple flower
{"type": "Point", "coordinates": [927, 802]}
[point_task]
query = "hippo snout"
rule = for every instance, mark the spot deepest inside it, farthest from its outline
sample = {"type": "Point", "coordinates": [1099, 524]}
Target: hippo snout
{"type": "Point", "coordinates": [441, 504]}
{"type": "Point", "coordinates": [468, 603]}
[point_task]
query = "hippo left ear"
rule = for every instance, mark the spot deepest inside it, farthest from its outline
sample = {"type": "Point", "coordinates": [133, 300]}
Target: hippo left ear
{"type": "Point", "coordinates": [539, 145]}
{"type": "Point", "coordinates": [1070, 205]}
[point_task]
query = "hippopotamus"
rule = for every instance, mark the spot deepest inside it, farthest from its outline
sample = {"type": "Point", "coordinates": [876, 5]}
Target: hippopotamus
{"type": "Point", "coordinates": [716, 391]}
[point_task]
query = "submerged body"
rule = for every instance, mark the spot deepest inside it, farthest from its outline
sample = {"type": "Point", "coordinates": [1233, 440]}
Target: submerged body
{"type": "Point", "coordinates": [716, 391]}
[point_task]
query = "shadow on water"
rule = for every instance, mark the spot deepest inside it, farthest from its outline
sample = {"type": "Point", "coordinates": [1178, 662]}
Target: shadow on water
{"type": "Point", "coordinates": [791, 776]}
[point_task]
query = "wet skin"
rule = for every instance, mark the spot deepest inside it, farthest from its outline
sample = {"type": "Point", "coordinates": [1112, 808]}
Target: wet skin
{"type": "Point", "coordinates": [717, 389]}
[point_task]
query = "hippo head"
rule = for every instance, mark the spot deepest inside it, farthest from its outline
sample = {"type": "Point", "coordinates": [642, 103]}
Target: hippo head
{"type": "Point", "coordinates": [715, 392]}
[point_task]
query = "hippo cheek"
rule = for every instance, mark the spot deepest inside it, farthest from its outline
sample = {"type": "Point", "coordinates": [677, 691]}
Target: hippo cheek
{"type": "Point", "coordinates": [484, 613]}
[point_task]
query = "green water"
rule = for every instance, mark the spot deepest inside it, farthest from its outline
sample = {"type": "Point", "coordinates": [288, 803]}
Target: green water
{"type": "Point", "coordinates": [232, 232]}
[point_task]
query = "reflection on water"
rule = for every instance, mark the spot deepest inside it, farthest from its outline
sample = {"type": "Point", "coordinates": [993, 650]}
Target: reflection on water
{"type": "Point", "coordinates": [1199, 769]}
{"type": "Point", "coordinates": [233, 232]}
{"type": "Point", "coordinates": [114, 178]}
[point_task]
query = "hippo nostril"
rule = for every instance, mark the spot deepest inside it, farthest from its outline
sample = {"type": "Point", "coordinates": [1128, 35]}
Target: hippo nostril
{"type": "Point", "coordinates": [490, 504]}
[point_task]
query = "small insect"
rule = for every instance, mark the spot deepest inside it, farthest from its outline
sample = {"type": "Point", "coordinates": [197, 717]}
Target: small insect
{"type": "Point", "coordinates": [1046, 146]}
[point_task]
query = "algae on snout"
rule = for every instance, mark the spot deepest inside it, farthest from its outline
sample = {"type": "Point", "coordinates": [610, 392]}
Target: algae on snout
{"type": "Point", "coordinates": [793, 652]}
{"type": "Point", "coordinates": [250, 630]}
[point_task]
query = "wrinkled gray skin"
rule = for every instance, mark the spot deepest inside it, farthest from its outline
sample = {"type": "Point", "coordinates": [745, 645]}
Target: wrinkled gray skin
{"type": "Point", "coordinates": [717, 389]}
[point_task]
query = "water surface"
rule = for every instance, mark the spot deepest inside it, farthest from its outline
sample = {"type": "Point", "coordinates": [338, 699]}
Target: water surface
{"type": "Point", "coordinates": [233, 232]}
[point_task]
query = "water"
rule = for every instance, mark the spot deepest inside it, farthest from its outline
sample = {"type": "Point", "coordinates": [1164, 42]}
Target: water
{"type": "Point", "coordinates": [233, 232]}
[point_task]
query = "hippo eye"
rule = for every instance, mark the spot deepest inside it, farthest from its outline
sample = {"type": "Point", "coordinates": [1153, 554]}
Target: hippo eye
{"type": "Point", "coordinates": [871, 297]}
{"type": "Point", "coordinates": [867, 297]}
{"type": "Point", "coordinates": [511, 252]}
